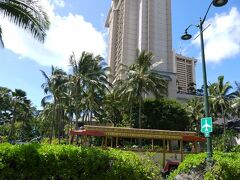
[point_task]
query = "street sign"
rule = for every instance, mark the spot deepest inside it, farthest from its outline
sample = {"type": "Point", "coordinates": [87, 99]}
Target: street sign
{"type": "Point", "coordinates": [206, 125]}
{"type": "Point", "coordinates": [206, 134]}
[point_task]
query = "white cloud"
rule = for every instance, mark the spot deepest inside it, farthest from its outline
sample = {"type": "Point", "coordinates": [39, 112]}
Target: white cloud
{"type": "Point", "coordinates": [67, 34]}
{"type": "Point", "coordinates": [59, 3]}
{"type": "Point", "coordinates": [222, 38]}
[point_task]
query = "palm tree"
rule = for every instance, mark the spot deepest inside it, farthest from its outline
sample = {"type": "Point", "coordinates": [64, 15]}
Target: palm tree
{"type": "Point", "coordinates": [238, 87]}
{"type": "Point", "coordinates": [89, 83]}
{"type": "Point", "coordinates": [69, 106]}
{"type": "Point", "coordinates": [55, 88]}
{"type": "Point", "coordinates": [141, 81]}
{"type": "Point", "coordinates": [126, 95]}
{"type": "Point", "coordinates": [47, 120]}
{"type": "Point", "coordinates": [28, 15]}
{"type": "Point", "coordinates": [195, 111]}
{"type": "Point", "coordinates": [114, 108]}
{"type": "Point", "coordinates": [236, 100]}
{"type": "Point", "coordinates": [5, 104]}
{"type": "Point", "coordinates": [236, 106]}
{"type": "Point", "coordinates": [219, 98]}
{"type": "Point", "coordinates": [21, 106]}
{"type": "Point", "coordinates": [191, 89]}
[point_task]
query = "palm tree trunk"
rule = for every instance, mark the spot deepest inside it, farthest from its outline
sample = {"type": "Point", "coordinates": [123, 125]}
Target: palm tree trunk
{"type": "Point", "coordinates": [68, 128]}
{"type": "Point", "coordinates": [59, 122]}
{"type": "Point", "coordinates": [84, 117]}
{"type": "Point", "coordinates": [77, 114]}
{"type": "Point", "coordinates": [198, 128]}
{"type": "Point", "coordinates": [139, 114]}
{"type": "Point", "coordinates": [11, 129]}
{"type": "Point", "coordinates": [131, 109]}
{"type": "Point", "coordinates": [224, 128]}
{"type": "Point", "coordinates": [87, 117]}
{"type": "Point", "coordinates": [139, 120]}
{"type": "Point", "coordinates": [71, 122]}
{"type": "Point", "coordinates": [224, 120]}
{"type": "Point", "coordinates": [90, 117]}
{"type": "Point", "coordinates": [12, 123]}
{"type": "Point", "coordinates": [63, 122]}
{"type": "Point", "coordinates": [52, 127]}
{"type": "Point", "coordinates": [51, 133]}
{"type": "Point", "coordinates": [224, 123]}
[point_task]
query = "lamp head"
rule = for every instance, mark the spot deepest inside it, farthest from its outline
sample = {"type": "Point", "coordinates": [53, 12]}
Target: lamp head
{"type": "Point", "coordinates": [219, 3]}
{"type": "Point", "coordinates": [186, 36]}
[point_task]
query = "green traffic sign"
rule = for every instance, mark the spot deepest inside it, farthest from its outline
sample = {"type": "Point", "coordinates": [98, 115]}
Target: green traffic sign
{"type": "Point", "coordinates": [207, 134]}
{"type": "Point", "coordinates": [206, 125]}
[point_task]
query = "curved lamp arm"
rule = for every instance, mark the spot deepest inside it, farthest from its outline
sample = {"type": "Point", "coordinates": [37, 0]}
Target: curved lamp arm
{"type": "Point", "coordinates": [205, 16]}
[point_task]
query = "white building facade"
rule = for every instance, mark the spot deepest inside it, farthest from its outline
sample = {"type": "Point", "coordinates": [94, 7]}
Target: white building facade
{"type": "Point", "coordinates": [141, 25]}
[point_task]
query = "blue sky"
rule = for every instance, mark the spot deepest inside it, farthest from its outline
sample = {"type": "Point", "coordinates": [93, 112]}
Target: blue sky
{"type": "Point", "coordinates": [79, 25]}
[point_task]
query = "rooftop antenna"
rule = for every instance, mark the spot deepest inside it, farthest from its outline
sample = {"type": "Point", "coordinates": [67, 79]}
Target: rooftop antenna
{"type": "Point", "coordinates": [180, 49]}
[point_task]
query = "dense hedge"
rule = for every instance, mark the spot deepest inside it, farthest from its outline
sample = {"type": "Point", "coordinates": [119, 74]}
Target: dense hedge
{"type": "Point", "coordinates": [225, 166]}
{"type": "Point", "coordinates": [165, 114]}
{"type": "Point", "coordinates": [71, 162]}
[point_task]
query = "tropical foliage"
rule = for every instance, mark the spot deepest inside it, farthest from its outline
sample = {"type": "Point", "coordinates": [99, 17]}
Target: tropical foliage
{"type": "Point", "coordinates": [142, 81]}
{"type": "Point", "coordinates": [36, 161]}
{"type": "Point", "coordinates": [28, 15]}
{"type": "Point", "coordinates": [195, 112]}
{"type": "Point", "coordinates": [116, 110]}
{"type": "Point", "coordinates": [225, 166]}
{"type": "Point", "coordinates": [55, 87]}
{"type": "Point", "coordinates": [88, 84]}
{"type": "Point", "coordinates": [219, 98]}
{"type": "Point", "coordinates": [164, 114]}
{"type": "Point", "coordinates": [74, 97]}
{"type": "Point", "coordinates": [84, 95]}
{"type": "Point", "coordinates": [16, 114]}
{"type": "Point", "coordinates": [224, 106]}
{"type": "Point", "coordinates": [235, 103]}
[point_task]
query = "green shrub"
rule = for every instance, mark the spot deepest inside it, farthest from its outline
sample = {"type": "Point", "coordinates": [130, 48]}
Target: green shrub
{"type": "Point", "coordinates": [209, 176]}
{"type": "Point", "coordinates": [236, 149]}
{"type": "Point", "coordinates": [164, 114]}
{"type": "Point", "coordinates": [190, 161]}
{"type": "Point", "coordinates": [225, 142]}
{"type": "Point", "coordinates": [34, 161]}
{"type": "Point", "coordinates": [226, 166]}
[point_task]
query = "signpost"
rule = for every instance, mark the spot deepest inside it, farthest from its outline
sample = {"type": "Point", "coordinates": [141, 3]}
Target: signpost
{"type": "Point", "coordinates": [206, 126]}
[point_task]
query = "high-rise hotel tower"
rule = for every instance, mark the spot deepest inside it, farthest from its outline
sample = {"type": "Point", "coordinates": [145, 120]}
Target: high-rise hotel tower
{"type": "Point", "coordinates": [141, 25]}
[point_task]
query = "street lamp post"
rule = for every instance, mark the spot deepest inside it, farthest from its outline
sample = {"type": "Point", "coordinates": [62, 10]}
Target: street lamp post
{"type": "Point", "coordinates": [206, 105]}
{"type": "Point", "coordinates": [186, 36]}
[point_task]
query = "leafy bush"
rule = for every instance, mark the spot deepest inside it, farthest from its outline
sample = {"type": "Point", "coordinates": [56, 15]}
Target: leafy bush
{"type": "Point", "coordinates": [164, 114]}
{"type": "Point", "coordinates": [226, 166]}
{"type": "Point", "coordinates": [236, 149]}
{"type": "Point", "coordinates": [34, 161]}
{"type": "Point", "coordinates": [190, 161]}
{"type": "Point", "coordinates": [225, 142]}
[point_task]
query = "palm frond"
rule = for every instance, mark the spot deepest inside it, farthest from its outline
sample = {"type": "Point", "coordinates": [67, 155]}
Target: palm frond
{"type": "Point", "coordinates": [27, 15]}
{"type": "Point", "coordinates": [1, 40]}
{"type": "Point", "coordinates": [45, 75]}
{"type": "Point", "coordinates": [46, 100]}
